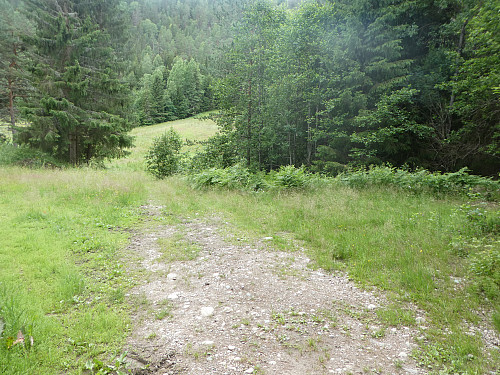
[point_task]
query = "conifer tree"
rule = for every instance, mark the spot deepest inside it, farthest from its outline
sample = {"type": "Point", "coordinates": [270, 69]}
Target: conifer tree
{"type": "Point", "coordinates": [77, 114]}
{"type": "Point", "coordinates": [13, 63]}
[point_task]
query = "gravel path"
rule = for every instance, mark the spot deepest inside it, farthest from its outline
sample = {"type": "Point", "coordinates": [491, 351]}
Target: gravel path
{"type": "Point", "coordinates": [240, 308]}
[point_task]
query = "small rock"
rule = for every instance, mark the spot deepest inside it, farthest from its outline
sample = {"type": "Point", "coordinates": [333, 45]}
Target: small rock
{"type": "Point", "coordinates": [174, 295]}
{"type": "Point", "coordinates": [267, 238]}
{"type": "Point", "coordinates": [371, 306]}
{"type": "Point", "coordinates": [231, 347]}
{"type": "Point", "coordinates": [237, 359]}
{"type": "Point", "coordinates": [207, 311]}
{"type": "Point", "coordinates": [403, 355]}
{"type": "Point", "coordinates": [272, 363]}
{"type": "Point", "coordinates": [207, 342]}
{"type": "Point", "coordinates": [419, 319]}
{"type": "Point", "coordinates": [172, 276]}
{"type": "Point", "coordinates": [249, 371]}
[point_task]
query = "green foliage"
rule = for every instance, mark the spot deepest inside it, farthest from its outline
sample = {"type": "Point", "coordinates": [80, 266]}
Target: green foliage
{"type": "Point", "coordinates": [217, 152]}
{"type": "Point", "coordinates": [76, 112]}
{"type": "Point", "coordinates": [163, 157]}
{"type": "Point", "coordinates": [478, 81]}
{"type": "Point", "coordinates": [460, 182]}
{"type": "Point", "coordinates": [239, 177]}
{"type": "Point", "coordinates": [291, 177]}
{"type": "Point", "coordinates": [27, 157]}
{"type": "Point", "coordinates": [234, 177]}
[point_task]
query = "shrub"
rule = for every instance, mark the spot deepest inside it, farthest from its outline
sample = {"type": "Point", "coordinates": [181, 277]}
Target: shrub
{"type": "Point", "coordinates": [235, 177]}
{"type": "Point", "coordinates": [163, 158]}
{"type": "Point", "coordinates": [217, 153]}
{"type": "Point", "coordinates": [26, 157]}
{"type": "Point", "coordinates": [460, 182]}
{"type": "Point", "coordinates": [291, 177]}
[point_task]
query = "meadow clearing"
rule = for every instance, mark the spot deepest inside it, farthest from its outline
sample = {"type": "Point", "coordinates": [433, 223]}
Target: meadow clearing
{"type": "Point", "coordinates": [64, 305]}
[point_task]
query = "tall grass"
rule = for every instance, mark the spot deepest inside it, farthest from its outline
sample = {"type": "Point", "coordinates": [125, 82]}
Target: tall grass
{"type": "Point", "coordinates": [393, 239]}
{"type": "Point", "coordinates": [58, 266]}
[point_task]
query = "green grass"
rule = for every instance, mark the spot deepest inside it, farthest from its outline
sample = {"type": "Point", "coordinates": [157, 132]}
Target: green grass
{"type": "Point", "coordinates": [62, 282]}
{"type": "Point", "coordinates": [194, 129]}
{"type": "Point", "coordinates": [59, 273]}
{"type": "Point", "coordinates": [397, 241]}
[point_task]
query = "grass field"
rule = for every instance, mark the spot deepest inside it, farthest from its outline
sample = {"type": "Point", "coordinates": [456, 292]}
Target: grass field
{"type": "Point", "coordinates": [192, 129]}
{"type": "Point", "coordinates": [62, 281]}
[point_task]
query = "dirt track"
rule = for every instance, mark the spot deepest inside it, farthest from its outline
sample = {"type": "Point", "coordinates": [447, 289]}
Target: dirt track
{"type": "Point", "coordinates": [243, 308]}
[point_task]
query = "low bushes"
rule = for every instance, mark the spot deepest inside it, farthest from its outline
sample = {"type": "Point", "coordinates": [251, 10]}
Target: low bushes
{"type": "Point", "coordinates": [240, 178]}
{"type": "Point", "coordinates": [422, 181]}
{"type": "Point", "coordinates": [26, 157]}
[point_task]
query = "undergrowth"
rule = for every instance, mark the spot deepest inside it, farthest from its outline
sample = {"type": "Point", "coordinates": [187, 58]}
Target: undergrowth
{"type": "Point", "coordinates": [26, 157]}
{"type": "Point", "coordinates": [418, 182]}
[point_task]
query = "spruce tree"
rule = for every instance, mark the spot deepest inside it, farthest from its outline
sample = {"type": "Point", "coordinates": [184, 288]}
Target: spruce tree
{"type": "Point", "coordinates": [13, 63]}
{"type": "Point", "coordinates": [77, 114]}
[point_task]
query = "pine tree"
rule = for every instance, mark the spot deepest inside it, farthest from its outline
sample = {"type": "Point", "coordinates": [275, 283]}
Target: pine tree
{"type": "Point", "coordinates": [77, 114]}
{"type": "Point", "coordinates": [13, 63]}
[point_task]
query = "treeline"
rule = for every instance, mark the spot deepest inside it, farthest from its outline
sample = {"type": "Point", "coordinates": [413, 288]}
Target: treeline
{"type": "Point", "coordinates": [331, 84]}
{"type": "Point", "coordinates": [317, 83]}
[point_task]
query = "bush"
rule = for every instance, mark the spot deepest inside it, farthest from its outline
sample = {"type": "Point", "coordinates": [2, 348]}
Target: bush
{"type": "Point", "coordinates": [291, 177]}
{"type": "Point", "coordinates": [26, 157]}
{"type": "Point", "coordinates": [217, 153]}
{"type": "Point", "coordinates": [163, 158]}
{"type": "Point", "coordinates": [235, 177]}
{"type": "Point", "coordinates": [239, 177]}
{"type": "Point", "coordinates": [460, 182]}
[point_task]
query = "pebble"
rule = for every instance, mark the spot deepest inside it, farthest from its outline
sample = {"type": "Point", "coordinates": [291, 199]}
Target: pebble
{"type": "Point", "coordinates": [419, 319]}
{"type": "Point", "coordinates": [231, 347]}
{"type": "Point", "coordinates": [207, 311]}
{"type": "Point", "coordinates": [249, 371]}
{"type": "Point", "coordinates": [207, 342]}
{"type": "Point", "coordinates": [174, 295]}
{"type": "Point", "coordinates": [371, 306]}
{"type": "Point", "coordinates": [172, 276]}
{"type": "Point", "coordinates": [272, 363]}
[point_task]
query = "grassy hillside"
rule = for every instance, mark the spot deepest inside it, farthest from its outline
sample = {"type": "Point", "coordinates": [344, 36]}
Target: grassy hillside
{"type": "Point", "coordinates": [62, 281]}
{"type": "Point", "coordinates": [196, 128]}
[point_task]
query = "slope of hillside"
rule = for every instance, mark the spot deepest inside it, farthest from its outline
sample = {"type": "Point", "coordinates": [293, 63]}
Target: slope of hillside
{"type": "Point", "coordinates": [197, 128]}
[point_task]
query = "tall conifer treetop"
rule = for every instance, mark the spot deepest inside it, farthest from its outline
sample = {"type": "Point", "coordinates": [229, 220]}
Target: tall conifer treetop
{"type": "Point", "coordinates": [77, 112]}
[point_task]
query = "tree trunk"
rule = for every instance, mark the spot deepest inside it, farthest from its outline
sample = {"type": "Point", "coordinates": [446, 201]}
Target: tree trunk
{"type": "Point", "coordinates": [10, 81]}
{"type": "Point", "coordinates": [460, 48]}
{"type": "Point", "coordinates": [72, 148]}
{"type": "Point", "coordinates": [11, 112]}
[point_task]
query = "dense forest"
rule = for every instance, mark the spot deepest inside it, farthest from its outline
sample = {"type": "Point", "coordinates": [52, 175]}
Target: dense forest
{"type": "Point", "coordinates": [325, 84]}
